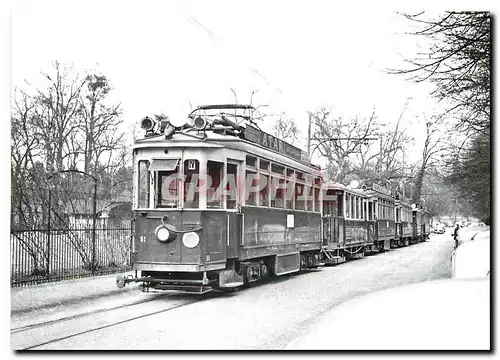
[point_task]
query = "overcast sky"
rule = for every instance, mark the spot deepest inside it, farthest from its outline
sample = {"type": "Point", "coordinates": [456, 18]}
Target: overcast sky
{"type": "Point", "coordinates": [162, 57]}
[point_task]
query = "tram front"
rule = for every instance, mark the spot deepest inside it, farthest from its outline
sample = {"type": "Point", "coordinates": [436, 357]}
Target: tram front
{"type": "Point", "coordinates": [186, 218]}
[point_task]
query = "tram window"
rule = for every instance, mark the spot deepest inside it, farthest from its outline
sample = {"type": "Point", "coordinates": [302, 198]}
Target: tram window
{"type": "Point", "coordinates": [264, 190]}
{"type": "Point", "coordinates": [231, 187]}
{"type": "Point", "coordinates": [300, 203]}
{"type": "Point", "coordinates": [309, 198]}
{"type": "Point", "coordinates": [143, 185]}
{"type": "Point", "coordinates": [251, 187]}
{"type": "Point", "coordinates": [289, 194]}
{"type": "Point", "coordinates": [168, 188]}
{"type": "Point", "coordinates": [348, 205]}
{"type": "Point", "coordinates": [251, 161]}
{"type": "Point", "coordinates": [317, 205]}
{"type": "Point", "coordinates": [353, 208]}
{"type": "Point", "coordinates": [191, 184]}
{"type": "Point", "coordinates": [356, 209]}
{"type": "Point", "coordinates": [215, 172]}
{"type": "Point", "coordinates": [289, 173]}
{"type": "Point", "coordinates": [278, 192]}
{"type": "Point", "coordinates": [300, 175]}
{"type": "Point", "coordinates": [317, 181]}
{"type": "Point", "coordinates": [264, 165]}
{"type": "Point", "coordinates": [277, 169]}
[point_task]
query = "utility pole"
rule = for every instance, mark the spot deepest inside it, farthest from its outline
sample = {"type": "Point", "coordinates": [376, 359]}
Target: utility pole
{"type": "Point", "coordinates": [309, 138]}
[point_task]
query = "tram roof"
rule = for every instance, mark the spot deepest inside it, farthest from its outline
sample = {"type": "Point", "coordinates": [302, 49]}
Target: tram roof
{"type": "Point", "coordinates": [213, 140]}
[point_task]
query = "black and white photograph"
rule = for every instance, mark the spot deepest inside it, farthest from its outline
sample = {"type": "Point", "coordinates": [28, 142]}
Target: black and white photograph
{"type": "Point", "coordinates": [250, 175]}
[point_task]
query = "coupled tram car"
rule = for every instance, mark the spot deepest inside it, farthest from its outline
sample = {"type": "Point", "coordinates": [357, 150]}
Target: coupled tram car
{"type": "Point", "coordinates": [219, 204]}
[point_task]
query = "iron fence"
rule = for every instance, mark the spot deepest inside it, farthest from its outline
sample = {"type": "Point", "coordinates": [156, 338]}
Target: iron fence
{"type": "Point", "coordinates": [40, 255]}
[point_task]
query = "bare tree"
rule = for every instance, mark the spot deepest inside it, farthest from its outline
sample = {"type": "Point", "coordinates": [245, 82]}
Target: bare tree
{"type": "Point", "coordinates": [56, 115]}
{"type": "Point", "coordinates": [384, 163]}
{"type": "Point", "coordinates": [99, 123]}
{"type": "Point", "coordinates": [339, 140]}
{"type": "Point", "coordinates": [433, 145]}
{"type": "Point", "coordinates": [285, 128]}
{"type": "Point", "coordinates": [458, 63]}
{"type": "Point", "coordinates": [61, 125]}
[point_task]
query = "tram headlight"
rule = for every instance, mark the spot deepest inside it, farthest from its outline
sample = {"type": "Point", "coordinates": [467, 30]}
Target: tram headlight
{"type": "Point", "coordinates": [162, 234]}
{"type": "Point", "coordinates": [190, 240]}
{"type": "Point", "coordinates": [199, 123]}
{"type": "Point", "coordinates": [147, 123]}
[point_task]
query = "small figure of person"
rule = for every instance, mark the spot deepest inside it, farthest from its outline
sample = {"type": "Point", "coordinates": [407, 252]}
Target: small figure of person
{"type": "Point", "coordinates": [455, 235]}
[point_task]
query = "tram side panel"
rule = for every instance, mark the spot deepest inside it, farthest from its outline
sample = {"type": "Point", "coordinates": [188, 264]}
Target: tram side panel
{"type": "Point", "coordinates": [385, 233]}
{"type": "Point", "coordinates": [417, 226]}
{"type": "Point", "coordinates": [407, 232]}
{"type": "Point", "coordinates": [356, 237]}
{"type": "Point", "coordinates": [284, 239]}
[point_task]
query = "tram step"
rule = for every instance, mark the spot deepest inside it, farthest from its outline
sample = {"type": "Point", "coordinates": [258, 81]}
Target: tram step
{"type": "Point", "coordinates": [334, 260]}
{"type": "Point", "coordinates": [184, 288]}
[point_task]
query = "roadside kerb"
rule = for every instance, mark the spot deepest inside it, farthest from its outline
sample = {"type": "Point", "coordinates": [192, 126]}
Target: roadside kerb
{"type": "Point", "coordinates": [48, 295]}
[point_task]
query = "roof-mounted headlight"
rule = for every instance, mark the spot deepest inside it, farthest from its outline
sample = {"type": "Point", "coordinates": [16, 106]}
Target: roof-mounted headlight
{"type": "Point", "coordinates": [199, 123]}
{"type": "Point", "coordinates": [147, 123]}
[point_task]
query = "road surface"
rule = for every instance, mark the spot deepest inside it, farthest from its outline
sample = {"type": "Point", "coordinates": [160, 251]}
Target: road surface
{"type": "Point", "coordinates": [266, 316]}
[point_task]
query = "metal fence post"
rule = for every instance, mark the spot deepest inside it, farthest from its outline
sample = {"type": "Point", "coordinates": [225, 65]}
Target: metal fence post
{"type": "Point", "coordinates": [48, 233]}
{"type": "Point", "coordinates": [94, 216]}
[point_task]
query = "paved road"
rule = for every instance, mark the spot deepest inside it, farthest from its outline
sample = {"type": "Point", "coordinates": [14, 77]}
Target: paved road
{"type": "Point", "coordinates": [267, 316]}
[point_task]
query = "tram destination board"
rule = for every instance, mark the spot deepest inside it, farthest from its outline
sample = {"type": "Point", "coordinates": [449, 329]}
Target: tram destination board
{"type": "Point", "coordinates": [260, 137]}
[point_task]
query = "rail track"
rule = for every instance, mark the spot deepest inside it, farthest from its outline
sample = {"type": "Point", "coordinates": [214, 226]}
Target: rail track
{"type": "Point", "coordinates": [25, 331]}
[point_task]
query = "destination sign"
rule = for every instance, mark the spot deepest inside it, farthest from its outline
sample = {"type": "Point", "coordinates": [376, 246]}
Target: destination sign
{"type": "Point", "coordinates": [271, 142]}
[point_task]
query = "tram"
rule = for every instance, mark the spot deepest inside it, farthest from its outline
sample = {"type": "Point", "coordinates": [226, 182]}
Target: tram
{"type": "Point", "coordinates": [404, 222]}
{"type": "Point", "coordinates": [219, 203]}
{"type": "Point", "coordinates": [346, 233]}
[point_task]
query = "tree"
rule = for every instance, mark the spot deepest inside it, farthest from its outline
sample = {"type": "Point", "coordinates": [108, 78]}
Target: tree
{"type": "Point", "coordinates": [458, 63]}
{"type": "Point", "coordinates": [470, 173]}
{"type": "Point", "coordinates": [63, 124]}
{"type": "Point", "coordinates": [433, 145]}
{"type": "Point", "coordinates": [99, 122]}
{"type": "Point", "coordinates": [339, 140]}
{"type": "Point", "coordinates": [285, 128]}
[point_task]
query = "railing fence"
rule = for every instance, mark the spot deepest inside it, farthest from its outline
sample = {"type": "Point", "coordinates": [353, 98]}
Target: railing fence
{"type": "Point", "coordinates": [41, 255]}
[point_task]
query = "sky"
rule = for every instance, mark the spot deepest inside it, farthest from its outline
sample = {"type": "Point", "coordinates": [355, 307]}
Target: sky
{"type": "Point", "coordinates": [169, 56]}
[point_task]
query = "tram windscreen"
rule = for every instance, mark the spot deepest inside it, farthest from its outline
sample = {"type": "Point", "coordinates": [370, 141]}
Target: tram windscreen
{"type": "Point", "coordinates": [168, 188]}
{"type": "Point", "coordinates": [215, 172]}
{"type": "Point", "coordinates": [191, 184]}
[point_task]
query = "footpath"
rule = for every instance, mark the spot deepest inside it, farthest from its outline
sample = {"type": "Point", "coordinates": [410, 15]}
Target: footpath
{"type": "Point", "coordinates": [34, 297]}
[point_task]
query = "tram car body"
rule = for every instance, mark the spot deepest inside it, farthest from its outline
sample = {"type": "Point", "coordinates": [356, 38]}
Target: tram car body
{"type": "Point", "coordinates": [404, 222]}
{"type": "Point", "coordinates": [344, 225]}
{"type": "Point", "coordinates": [218, 204]}
{"type": "Point", "coordinates": [426, 224]}
{"type": "Point", "coordinates": [381, 215]}
{"type": "Point", "coordinates": [417, 225]}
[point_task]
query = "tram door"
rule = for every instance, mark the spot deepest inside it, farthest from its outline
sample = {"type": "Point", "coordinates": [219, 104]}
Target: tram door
{"type": "Point", "coordinates": [372, 221]}
{"type": "Point", "coordinates": [333, 221]}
